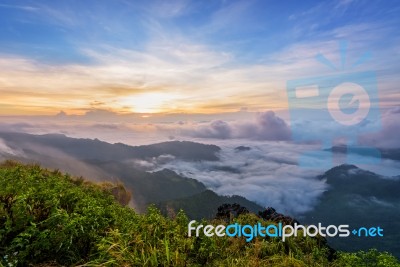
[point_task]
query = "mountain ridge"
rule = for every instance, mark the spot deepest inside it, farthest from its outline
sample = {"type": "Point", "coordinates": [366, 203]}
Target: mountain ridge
{"type": "Point", "coordinates": [359, 198]}
{"type": "Point", "coordinates": [116, 163]}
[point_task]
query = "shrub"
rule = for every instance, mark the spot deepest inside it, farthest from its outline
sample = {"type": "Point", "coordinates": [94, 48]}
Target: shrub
{"type": "Point", "coordinates": [48, 218]}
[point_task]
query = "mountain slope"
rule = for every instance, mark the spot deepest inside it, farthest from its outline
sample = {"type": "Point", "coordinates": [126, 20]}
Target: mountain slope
{"type": "Point", "coordinates": [205, 204]}
{"type": "Point", "coordinates": [152, 187]}
{"type": "Point", "coordinates": [50, 219]}
{"type": "Point", "coordinates": [88, 149]}
{"type": "Point", "coordinates": [102, 161]}
{"type": "Point", "coordinates": [361, 199]}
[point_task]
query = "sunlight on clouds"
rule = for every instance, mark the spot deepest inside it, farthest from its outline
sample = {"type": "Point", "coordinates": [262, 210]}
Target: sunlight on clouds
{"type": "Point", "coordinates": [150, 102]}
{"type": "Point", "coordinates": [168, 57]}
{"type": "Point", "coordinates": [165, 77]}
{"type": "Point", "coordinates": [184, 78]}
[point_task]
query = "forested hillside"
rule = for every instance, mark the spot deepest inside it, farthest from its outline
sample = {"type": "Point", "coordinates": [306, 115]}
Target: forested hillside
{"type": "Point", "coordinates": [52, 219]}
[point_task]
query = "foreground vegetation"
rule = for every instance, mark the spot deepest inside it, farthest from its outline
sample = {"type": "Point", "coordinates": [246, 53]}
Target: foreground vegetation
{"type": "Point", "coordinates": [50, 219]}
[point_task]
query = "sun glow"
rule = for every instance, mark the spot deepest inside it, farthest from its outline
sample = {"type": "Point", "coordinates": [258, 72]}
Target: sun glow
{"type": "Point", "coordinates": [150, 102]}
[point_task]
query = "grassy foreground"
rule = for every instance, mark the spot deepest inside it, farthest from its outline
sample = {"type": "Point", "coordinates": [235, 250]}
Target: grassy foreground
{"type": "Point", "coordinates": [51, 219]}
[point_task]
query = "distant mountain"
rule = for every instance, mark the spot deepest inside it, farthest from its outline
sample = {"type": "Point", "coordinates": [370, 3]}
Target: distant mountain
{"type": "Point", "coordinates": [205, 204]}
{"type": "Point", "coordinates": [87, 149]}
{"type": "Point", "coordinates": [386, 153]}
{"type": "Point", "coordinates": [361, 199]}
{"type": "Point", "coordinates": [102, 161]}
{"type": "Point", "coordinates": [152, 187]}
{"type": "Point", "coordinates": [242, 148]}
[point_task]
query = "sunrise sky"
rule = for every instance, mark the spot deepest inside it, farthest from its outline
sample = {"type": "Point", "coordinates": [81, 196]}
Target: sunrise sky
{"type": "Point", "coordinates": [220, 72]}
{"type": "Point", "coordinates": [184, 56]}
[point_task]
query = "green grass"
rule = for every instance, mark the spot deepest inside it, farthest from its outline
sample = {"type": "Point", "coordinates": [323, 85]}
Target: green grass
{"type": "Point", "coordinates": [48, 218]}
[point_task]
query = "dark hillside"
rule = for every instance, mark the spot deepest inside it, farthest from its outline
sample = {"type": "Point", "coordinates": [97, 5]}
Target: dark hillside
{"type": "Point", "coordinates": [51, 219]}
{"type": "Point", "coordinates": [361, 199]}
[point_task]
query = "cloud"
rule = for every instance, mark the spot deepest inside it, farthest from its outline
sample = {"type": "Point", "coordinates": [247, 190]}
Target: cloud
{"type": "Point", "coordinates": [266, 174]}
{"type": "Point", "coordinates": [170, 9]}
{"type": "Point", "coordinates": [51, 158]}
{"type": "Point", "coordinates": [144, 53]}
{"type": "Point", "coordinates": [266, 126]}
{"type": "Point", "coordinates": [388, 136]}
{"type": "Point", "coordinates": [176, 75]}
{"type": "Point", "coordinates": [216, 129]}
{"type": "Point", "coordinates": [151, 164]}
{"type": "Point", "coordinates": [344, 3]}
{"type": "Point", "coordinates": [114, 127]}
{"type": "Point", "coordinates": [164, 68]}
{"type": "Point", "coordinates": [263, 126]}
{"type": "Point", "coordinates": [21, 7]}
{"type": "Point", "coordinates": [230, 16]}
{"type": "Point", "coordinates": [5, 150]}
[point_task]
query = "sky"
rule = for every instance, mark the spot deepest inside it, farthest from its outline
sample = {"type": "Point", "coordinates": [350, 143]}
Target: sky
{"type": "Point", "coordinates": [185, 57]}
{"type": "Point", "coordinates": [219, 72]}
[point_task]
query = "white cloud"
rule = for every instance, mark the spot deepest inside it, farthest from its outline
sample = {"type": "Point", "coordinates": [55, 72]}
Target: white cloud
{"type": "Point", "coordinates": [266, 126]}
{"type": "Point", "coordinates": [266, 174]}
{"type": "Point", "coordinates": [5, 150]}
{"type": "Point", "coordinates": [388, 136]}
